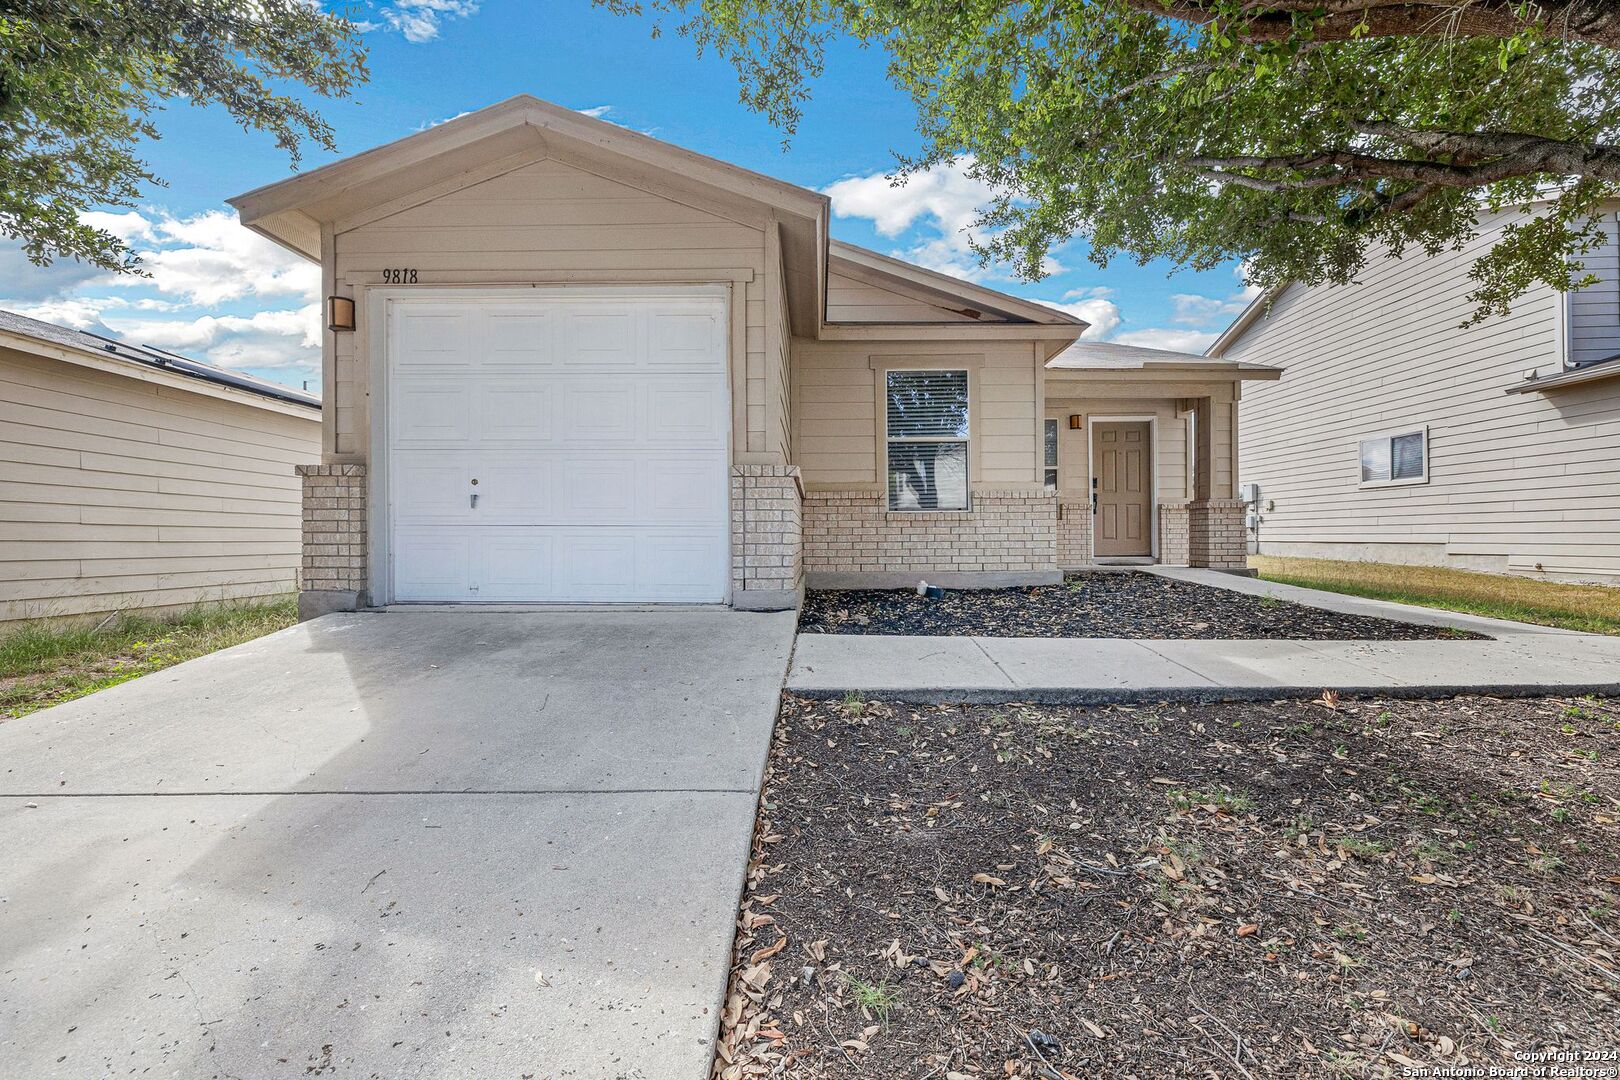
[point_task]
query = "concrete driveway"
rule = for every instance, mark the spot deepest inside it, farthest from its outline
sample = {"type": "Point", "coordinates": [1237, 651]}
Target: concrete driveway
{"type": "Point", "coordinates": [392, 845]}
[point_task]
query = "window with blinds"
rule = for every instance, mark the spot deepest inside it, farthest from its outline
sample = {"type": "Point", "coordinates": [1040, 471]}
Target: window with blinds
{"type": "Point", "coordinates": [1049, 451]}
{"type": "Point", "coordinates": [926, 413]}
{"type": "Point", "coordinates": [1401, 458]}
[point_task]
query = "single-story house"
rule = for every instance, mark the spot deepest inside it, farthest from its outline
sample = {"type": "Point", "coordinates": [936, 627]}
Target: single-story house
{"type": "Point", "coordinates": [133, 479]}
{"type": "Point", "coordinates": [568, 362]}
{"type": "Point", "coordinates": [1400, 435]}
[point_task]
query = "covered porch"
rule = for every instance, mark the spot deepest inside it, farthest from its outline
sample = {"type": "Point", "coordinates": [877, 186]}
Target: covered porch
{"type": "Point", "coordinates": [1140, 449]}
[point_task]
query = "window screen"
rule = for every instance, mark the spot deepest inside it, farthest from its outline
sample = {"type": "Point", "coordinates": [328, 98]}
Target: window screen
{"type": "Point", "coordinates": [1406, 456]}
{"type": "Point", "coordinates": [1391, 458]}
{"type": "Point", "coordinates": [927, 417]}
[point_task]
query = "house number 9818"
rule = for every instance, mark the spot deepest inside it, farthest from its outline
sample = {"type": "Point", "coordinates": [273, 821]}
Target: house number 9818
{"type": "Point", "coordinates": [399, 277]}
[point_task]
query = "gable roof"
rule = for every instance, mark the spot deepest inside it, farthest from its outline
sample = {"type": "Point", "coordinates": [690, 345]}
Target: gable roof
{"type": "Point", "coordinates": [295, 212]}
{"type": "Point", "coordinates": [50, 340]}
{"type": "Point", "coordinates": [934, 287]}
{"type": "Point", "coordinates": [523, 122]}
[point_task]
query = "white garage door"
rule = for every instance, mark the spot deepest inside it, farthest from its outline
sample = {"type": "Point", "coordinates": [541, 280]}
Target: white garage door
{"type": "Point", "coordinates": [558, 449]}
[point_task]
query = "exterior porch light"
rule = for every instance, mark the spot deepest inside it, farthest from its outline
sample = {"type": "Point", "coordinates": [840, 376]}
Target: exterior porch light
{"type": "Point", "coordinates": [1074, 421]}
{"type": "Point", "coordinates": [339, 313]}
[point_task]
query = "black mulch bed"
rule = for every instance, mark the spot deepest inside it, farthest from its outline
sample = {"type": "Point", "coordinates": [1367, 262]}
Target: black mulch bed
{"type": "Point", "coordinates": [1343, 888]}
{"type": "Point", "coordinates": [1113, 605]}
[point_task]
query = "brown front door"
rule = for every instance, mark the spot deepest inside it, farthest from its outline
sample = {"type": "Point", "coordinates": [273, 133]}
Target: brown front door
{"type": "Point", "coordinates": [1121, 457]}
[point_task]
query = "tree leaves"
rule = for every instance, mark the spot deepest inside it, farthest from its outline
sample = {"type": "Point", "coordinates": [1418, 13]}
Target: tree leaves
{"type": "Point", "coordinates": [80, 79]}
{"type": "Point", "coordinates": [1300, 138]}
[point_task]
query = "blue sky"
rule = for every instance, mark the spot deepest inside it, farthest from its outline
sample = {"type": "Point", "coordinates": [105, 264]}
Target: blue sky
{"type": "Point", "coordinates": [219, 293]}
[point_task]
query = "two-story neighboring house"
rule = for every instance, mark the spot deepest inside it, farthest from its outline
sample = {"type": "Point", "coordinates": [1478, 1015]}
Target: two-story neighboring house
{"type": "Point", "coordinates": [1398, 434]}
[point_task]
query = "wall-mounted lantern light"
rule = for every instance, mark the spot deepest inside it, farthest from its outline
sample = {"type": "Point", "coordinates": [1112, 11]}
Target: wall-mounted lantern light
{"type": "Point", "coordinates": [1074, 421]}
{"type": "Point", "coordinates": [339, 313]}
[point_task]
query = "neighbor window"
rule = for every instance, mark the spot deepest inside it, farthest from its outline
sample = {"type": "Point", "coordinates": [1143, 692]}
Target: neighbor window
{"type": "Point", "coordinates": [927, 439]}
{"type": "Point", "coordinates": [1050, 450]}
{"type": "Point", "coordinates": [1402, 458]}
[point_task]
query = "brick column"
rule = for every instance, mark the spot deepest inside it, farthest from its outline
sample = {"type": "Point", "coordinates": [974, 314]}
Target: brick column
{"type": "Point", "coordinates": [1216, 534]}
{"type": "Point", "coordinates": [1175, 535]}
{"type": "Point", "coordinates": [334, 564]}
{"type": "Point", "coordinates": [767, 537]}
{"type": "Point", "coordinates": [1073, 533]}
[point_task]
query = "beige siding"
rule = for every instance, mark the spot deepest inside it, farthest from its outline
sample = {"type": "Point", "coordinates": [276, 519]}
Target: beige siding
{"type": "Point", "coordinates": [1171, 479]}
{"type": "Point", "coordinates": [853, 301]}
{"type": "Point", "coordinates": [1515, 480]}
{"type": "Point", "coordinates": [118, 494]}
{"type": "Point", "coordinates": [836, 414]}
{"type": "Point", "coordinates": [540, 223]}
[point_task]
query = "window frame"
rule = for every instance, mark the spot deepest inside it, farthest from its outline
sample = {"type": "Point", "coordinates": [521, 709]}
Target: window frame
{"type": "Point", "coordinates": [943, 365]}
{"type": "Point", "coordinates": [1389, 437]}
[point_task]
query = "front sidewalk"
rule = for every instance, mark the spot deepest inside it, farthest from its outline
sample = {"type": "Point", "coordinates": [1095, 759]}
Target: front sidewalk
{"type": "Point", "coordinates": [1520, 660]}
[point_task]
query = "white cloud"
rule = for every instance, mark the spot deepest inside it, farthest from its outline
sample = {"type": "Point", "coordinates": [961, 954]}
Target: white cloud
{"type": "Point", "coordinates": [435, 123]}
{"type": "Point", "coordinates": [65, 311]}
{"type": "Point", "coordinates": [1187, 341]}
{"type": "Point", "coordinates": [127, 225]}
{"type": "Point", "coordinates": [1201, 311]}
{"type": "Point", "coordinates": [944, 194]}
{"type": "Point", "coordinates": [1093, 305]}
{"type": "Point", "coordinates": [286, 341]}
{"type": "Point", "coordinates": [942, 199]}
{"type": "Point", "coordinates": [596, 112]}
{"type": "Point", "coordinates": [211, 258]}
{"type": "Point", "coordinates": [420, 20]}
{"type": "Point", "coordinates": [206, 276]}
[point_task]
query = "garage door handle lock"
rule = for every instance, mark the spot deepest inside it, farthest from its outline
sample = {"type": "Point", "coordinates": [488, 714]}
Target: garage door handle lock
{"type": "Point", "coordinates": [474, 498]}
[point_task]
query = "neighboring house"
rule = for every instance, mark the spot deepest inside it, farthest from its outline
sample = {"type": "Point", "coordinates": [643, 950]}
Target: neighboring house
{"type": "Point", "coordinates": [1399, 435]}
{"type": "Point", "coordinates": [589, 366]}
{"type": "Point", "coordinates": [132, 479]}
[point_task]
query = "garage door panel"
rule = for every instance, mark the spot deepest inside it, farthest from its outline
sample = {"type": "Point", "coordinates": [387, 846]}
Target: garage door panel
{"type": "Point", "coordinates": [685, 340]}
{"type": "Point", "coordinates": [602, 339]}
{"type": "Point", "coordinates": [681, 567]}
{"type": "Point", "coordinates": [437, 484]}
{"type": "Point", "coordinates": [596, 565]}
{"type": "Point", "coordinates": [516, 488]}
{"type": "Point", "coordinates": [682, 490]}
{"type": "Point", "coordinates": [597, 488]}
{"type": "Point", "coordinates": [519, 336]}
{"type": "Point", "coordinates": [599, 411]}
{"type": "Point", "coordinates": [433, 563]}
{"type": "Point", "coordinates": [433, 336]}
{"type": "Point", "coordinates": [516, 564]}
{"type": "Point", "coordinates": [515, 410]}
{"type": "Point", "coordinates": [684, 411]}
{"type": "Point", "coordinates": [433, 411]}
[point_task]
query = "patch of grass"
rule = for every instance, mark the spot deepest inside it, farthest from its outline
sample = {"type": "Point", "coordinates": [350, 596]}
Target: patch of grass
{"type": "Point", "coordinates": [1359, 848]}
{"type": "Point", "coordinates": [1592, 608]}
{"type": "Point", "coordinates": [45, 663]}
{"type": "Point", "coordinates": [877, 1000]}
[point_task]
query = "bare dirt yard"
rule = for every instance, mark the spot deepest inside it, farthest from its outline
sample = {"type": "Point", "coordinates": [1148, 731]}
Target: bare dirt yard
{"type": "Point", "coordinates": [1109, 605]}
{"type": "Point", "coordinates": [1327, 888]}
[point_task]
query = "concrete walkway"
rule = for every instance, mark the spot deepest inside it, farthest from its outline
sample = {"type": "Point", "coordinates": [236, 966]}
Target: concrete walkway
{"type": "Point", "coordinates": [412, 845]}
{"type": "Point", "coordinates": [1521, 659]}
